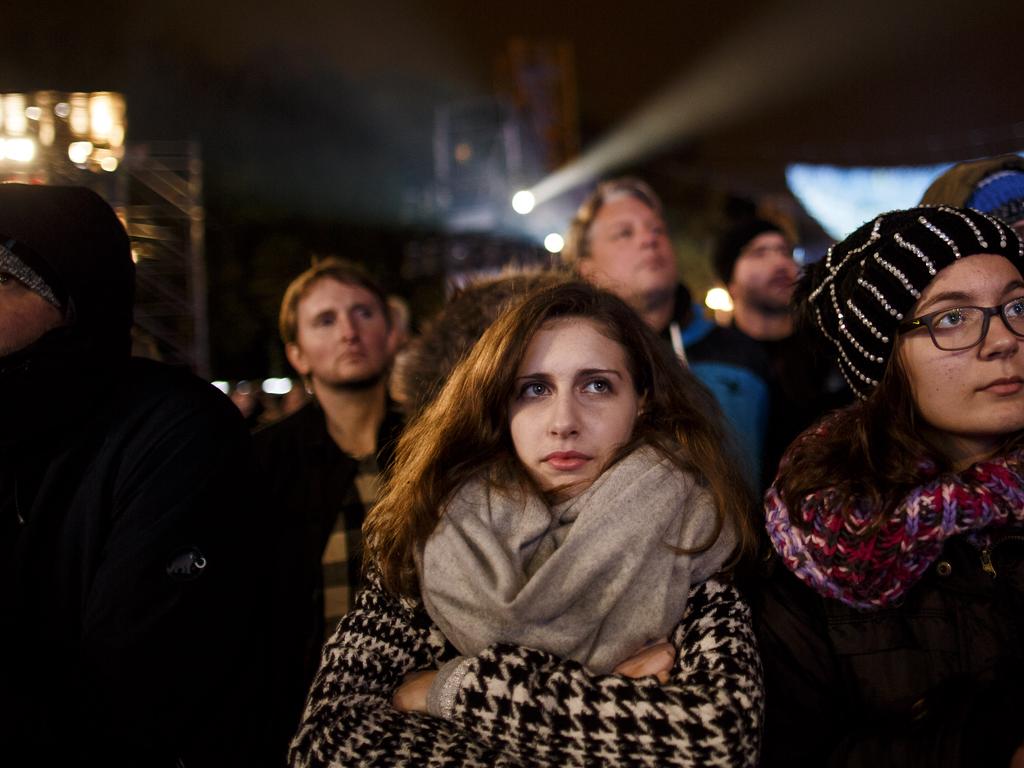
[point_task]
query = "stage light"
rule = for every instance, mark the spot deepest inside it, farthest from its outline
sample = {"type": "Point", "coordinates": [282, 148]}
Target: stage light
{"type": "Point", "coordinates": [78, 117]}
{"type": "Point", "coordinates": [554, 243]}
{"type": "Point", "coordinates": [33, 113]}
{"type": "Point", "coordinates": [223, 386]}
{"type": "Point", "coordinates": [79, 151]}
{"type": "Point", "coordinates": [109, 163]}
{"type": "Point", "coordinates": [281, 386]}
{"type": "Point", "coordinates": [523, 202]}
{"type": "Point", "coordinates": [15, 122]}
{"type": "Point", "coordinates": [780, 54]}
{"type": "Point", "coordinates": [719, 300]}
{"type": "Point", "coordinates": [22, 150]}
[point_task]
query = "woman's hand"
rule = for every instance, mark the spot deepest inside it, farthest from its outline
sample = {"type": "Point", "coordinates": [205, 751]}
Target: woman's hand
{"type": "Point", "coordinates": [654, 660]}
{"type": "Point", "coordinates": [411, 695]}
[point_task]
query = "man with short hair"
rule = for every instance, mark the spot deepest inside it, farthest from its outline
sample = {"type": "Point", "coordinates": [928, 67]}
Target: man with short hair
{"type": "Point", "coordinates": [618, 241]}
{"type": "Point", "coordinates": [754, 259]}
{"type": "Point", "coordinates": [320, 465]}
{"type": "Point", "coordinates": [124, 598]}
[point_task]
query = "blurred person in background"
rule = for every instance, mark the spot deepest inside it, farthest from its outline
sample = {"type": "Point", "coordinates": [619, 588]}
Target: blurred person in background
{"type": "Point", "coordinates": [318, 468]}
{"type": "Point", "coordinates": [792, 387]}
{"type": "Point", "coordinates": [992, 185]}
{"type": "Point", "coordinates": [618, 241]}
{"type": "Point", "coordinates": [422, 368]}
{"type": "Point", "coordinates": [891, 624]}
{"type": "Point", "coordinates": [126, 596]}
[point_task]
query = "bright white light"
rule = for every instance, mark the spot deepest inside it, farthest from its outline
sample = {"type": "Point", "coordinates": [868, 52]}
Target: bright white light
{"type": "Point", "coordinates": [554, 242]}
{"type": "Point", "coordinates": [79, 151]}
{"type": "Point", "coordinates": [523, 201]}
{"type": "Point", "coordinates": [62, 109]}
{"type": "Point", "coordinates": [277, 386]}
{"type": "Point", "coordinates": [719, 299]}
{"type": "Point", "coordinates": [33, 113]}
{"type": "Point", "coordinates": [78, 116]}
{"type": "Point", "coordinates": [20, 150]}
{"type": "Point", "coordinates": [15, 122]}
{"type": "Point", "coordinates": [222, 386]}
{"type": "Point", "coordinates": [109, 163]}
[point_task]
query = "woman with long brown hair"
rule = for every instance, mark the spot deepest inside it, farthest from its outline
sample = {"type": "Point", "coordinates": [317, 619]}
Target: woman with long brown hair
{"type": "Point", "coordinates": [894, 619]}
{"type": "Point", "coordinates": [548, 565]}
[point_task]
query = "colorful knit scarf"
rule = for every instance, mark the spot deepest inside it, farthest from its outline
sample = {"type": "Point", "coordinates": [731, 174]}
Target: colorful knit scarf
{"type": "Point", "coordinates": [831, 546]}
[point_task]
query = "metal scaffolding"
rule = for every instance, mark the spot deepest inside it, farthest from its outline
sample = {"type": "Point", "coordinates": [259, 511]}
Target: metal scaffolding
{"type": "Point", "coordinates": [165, 219]}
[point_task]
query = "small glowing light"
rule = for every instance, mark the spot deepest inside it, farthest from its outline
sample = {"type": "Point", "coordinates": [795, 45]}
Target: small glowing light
{"type": "Point", "coordinates": [463, 153]}
{"type": "Point", "coordinates": [78, 116]}
{"type": "Point", "coordinates": [554, 242]}
{"type": "Point", "coordinates": [222, 386]}
{"type": "Point", "coordinates": [62, 110]}
{"type": "Point", "coordinates": [79, 151]}
{"type": "Point", "coordinates": [109, 163]}
{"type": "Point", "coordinates": [33, 113]}
{"type": "Point", "coordinates": [20, 150]}
{"type": "Point", "coordinates": [15, 122]}
{"type": "Point", "coordinates": [523, 201]}
{"type": "Point", "coordinates": [101, 115]}
{"type": "Point", "coordinates": [719, 300]}
{"type": "Point", "coordinates": [277, 386]}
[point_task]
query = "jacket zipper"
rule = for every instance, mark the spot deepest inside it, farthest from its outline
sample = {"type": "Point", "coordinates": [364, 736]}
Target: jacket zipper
{"type": "Point", "coordinates": [986, 554]}
{"type": "Point", "coordinates": [986, 562]}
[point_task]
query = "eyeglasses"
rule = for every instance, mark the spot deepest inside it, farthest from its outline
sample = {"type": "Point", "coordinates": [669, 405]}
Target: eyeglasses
{"type": "Point", "coordinates": [966, 327]}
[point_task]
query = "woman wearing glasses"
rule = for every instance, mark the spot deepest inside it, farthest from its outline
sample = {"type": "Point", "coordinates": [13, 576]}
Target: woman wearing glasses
{"type": "Point", "coordinates": [893, 620]}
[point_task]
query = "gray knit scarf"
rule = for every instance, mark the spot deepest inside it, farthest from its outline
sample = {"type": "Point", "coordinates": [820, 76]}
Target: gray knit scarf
{"type": "Point", "coordinates": [592, 579]}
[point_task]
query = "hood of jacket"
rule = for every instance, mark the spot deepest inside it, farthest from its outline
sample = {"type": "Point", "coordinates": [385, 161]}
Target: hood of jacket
{"type": "Point", "coordinates": [72, 239]}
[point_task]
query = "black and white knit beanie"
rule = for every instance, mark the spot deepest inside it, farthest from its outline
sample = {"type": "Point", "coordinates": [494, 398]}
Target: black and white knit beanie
{"type": "Point", "coordinates": [18, 269]}
{"type": "Point", "coordinates": [868, 283]}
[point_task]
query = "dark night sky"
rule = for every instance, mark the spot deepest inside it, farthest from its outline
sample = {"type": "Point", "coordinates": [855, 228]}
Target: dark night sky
{"type": "Point", "coordinates": [316, 118]}
{"type": "Point", "coordinates": [327, 107]}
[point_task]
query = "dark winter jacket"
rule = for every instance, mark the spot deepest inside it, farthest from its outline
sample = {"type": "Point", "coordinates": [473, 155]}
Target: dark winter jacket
{"type": "Point", "coordinates": [769, 391]}
{"type": "Point", "coordinates": [933, 681]}
{"type": "Point", "coordinates": [305, 481]}
{"type": "Point", "coordinates": [124, 577]}
{"type": "Point", "coordinates": [894, 636]}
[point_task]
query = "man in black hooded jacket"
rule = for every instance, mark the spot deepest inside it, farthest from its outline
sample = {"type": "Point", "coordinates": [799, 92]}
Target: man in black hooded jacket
{"type": "Point", "coordinates": [123, 523]}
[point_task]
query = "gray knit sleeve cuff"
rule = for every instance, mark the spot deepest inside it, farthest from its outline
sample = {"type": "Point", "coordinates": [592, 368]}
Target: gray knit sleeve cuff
{"type": "Point", "coordinates": [444, 689]}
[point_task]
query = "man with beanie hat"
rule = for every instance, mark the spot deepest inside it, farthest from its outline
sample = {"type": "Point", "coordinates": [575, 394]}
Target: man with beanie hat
{"type": "Point", "coordinates": [754, 259]}
{"type": "Point", "coordinates": [123, 520]}
{"type": "Point", "coordinates": [992, 185]}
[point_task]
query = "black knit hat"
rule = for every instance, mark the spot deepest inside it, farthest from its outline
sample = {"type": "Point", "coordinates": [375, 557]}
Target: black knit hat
{"type": "Point", "coordinates": [865, 286]}
{"type": "Point", "coordinates": [735, 239]}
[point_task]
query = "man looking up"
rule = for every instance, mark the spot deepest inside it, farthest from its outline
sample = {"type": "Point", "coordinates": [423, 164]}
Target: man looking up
{"type": "Point", "coordinates": [618, 241]}
{"type": "Point", "coordinates": [319, 466]}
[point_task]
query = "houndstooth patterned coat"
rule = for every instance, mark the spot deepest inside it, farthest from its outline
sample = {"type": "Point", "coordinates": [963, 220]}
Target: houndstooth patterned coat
{"type": "Point", "coordinates": [523, 707]}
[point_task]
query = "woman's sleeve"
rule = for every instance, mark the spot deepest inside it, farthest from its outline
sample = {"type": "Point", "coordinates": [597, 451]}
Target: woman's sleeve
{"type": "Point", "coordinates": [542, 710]}
{"type": "Point", "coordinates": [348, 718]}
